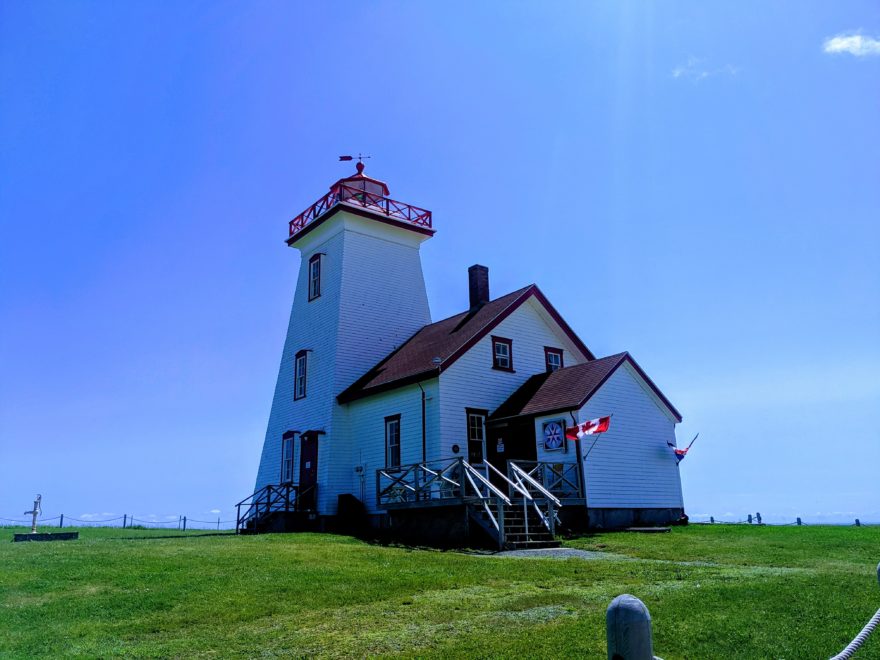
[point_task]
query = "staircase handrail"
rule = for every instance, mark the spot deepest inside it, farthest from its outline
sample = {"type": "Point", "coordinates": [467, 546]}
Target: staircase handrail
{"type": "Point", "coordinates": [517, 487]}
{"type": "Point", "coordinates": [470, 470]}
{"type": "Point", "coordinates": [254, 494]}
{"type": "Point", "coordinates": [266, 499]}
{"type": "Point", "coordinates": [524, 475]}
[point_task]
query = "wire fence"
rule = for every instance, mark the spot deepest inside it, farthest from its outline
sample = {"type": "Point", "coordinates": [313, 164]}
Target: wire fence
{"type": "Point", "coordinates": [756, 519]}
{"type": "Point", "coordinates": [125, 521]}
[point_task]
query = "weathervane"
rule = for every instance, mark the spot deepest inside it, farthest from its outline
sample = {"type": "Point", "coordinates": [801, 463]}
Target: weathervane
{"type": "Point", "coordinates": [361, 158]}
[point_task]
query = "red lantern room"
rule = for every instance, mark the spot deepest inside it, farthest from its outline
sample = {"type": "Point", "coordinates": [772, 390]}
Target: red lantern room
{"type": "Point", "coordinates": [346, 187]}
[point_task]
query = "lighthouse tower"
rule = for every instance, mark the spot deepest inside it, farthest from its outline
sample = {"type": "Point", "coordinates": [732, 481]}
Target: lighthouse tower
{"type": "Point", "coordinates": [360, 294]}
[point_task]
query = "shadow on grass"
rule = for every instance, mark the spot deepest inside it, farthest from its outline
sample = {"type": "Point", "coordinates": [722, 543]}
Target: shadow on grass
{"type": "Point", "coordinates": [169, 536]}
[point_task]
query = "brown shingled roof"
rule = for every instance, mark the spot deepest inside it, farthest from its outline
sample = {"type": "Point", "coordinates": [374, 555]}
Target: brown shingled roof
{"type": "Point", "coordinates": [447, 340]}
{"type": "Point", "coordinates": [569, 388]}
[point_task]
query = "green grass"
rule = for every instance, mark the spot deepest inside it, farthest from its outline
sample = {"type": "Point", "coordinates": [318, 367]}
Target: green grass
{"type": "Point", "coordinates": [713, 592]}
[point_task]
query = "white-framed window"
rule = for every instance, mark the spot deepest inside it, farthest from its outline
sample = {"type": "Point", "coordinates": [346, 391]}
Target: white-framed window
{"type": "Point", "coordinates": [502, 353]}
{"type": "Point", "coordinates": [476, 434]}
{"type": "Point", "coordinates": [553, 358]}
{"type": "Point", "coordinates": [287, 458]}
{"type": "Point", "coordinates": [315, 277]}
{"type": "Point", "coordinates": [300, 372]}
{"type": "Point", "coordinates": [392, 441]}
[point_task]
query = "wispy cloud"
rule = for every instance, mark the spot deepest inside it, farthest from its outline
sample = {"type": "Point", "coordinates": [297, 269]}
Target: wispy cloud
{"type": "Point", "coordinates": [697, 69]}
{"type": "Point", "coordinates": [215, 511]}
{"type": "Point", "coordinates": [852, 43]}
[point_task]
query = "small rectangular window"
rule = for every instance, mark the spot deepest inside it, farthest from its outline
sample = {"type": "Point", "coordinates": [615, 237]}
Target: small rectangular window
{"type": "Point", "coordinates": [392, 441]}
{"type": "Point", "coordinates": [502, 353]}
{"type": "Point", "coordinates": [553, 358]}
{"type": "Point", "coordinates": [287, 458]}
{"type": "Point", "coordinates": [315, 277]}
{"type": "Point", "coordinates": [299, 375]}
{"type": "Point", "coordinates": [476, 434]}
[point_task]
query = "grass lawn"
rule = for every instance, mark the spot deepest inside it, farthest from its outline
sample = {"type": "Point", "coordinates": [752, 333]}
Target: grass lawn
{"type": "Point", "coordinates": [713, 592]}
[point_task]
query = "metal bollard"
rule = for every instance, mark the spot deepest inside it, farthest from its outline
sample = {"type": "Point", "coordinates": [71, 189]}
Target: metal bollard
{"type": "Point", "coordinates": [628, 628]}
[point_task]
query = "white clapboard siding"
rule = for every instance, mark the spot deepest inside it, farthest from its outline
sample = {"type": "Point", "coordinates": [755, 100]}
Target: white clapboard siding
{"type": "Point", "coordinates": [372, 299]}
{"type": "Point", "coordinates": [471, 382]}
{"type": "Point", "coordinates": [631, 466]}
{"type": "Point", "coordinates": [313, 326]}
{"type": "Point", "coordinates": [365, 439]}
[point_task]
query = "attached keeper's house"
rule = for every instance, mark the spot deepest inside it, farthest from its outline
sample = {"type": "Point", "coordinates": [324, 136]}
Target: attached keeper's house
{"type": "Point", "coordinates": [448, 431]}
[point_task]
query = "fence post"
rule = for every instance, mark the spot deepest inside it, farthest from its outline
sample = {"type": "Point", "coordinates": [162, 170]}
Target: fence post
{"type": "Point", "coordinates": [61, 522]}
{"type": "Point", "coordinates": [124, 519]}
{"type": "Point", "coordinates": [712, 519]}
{"type": "Point", "coordinates": [799, 521]}
{"type": "Point", "coordinates": [758, 518]}
{"type": "Point", "coordinates": [750, 518]}
{"type": "Point", "coordinates": [184, 523]}
{"type": "Point", "coordinates": [858, 523]}
{"type": "Point", "coordinates": [628, 629]}
{"type": "Point", "coordinates": [218, 523]}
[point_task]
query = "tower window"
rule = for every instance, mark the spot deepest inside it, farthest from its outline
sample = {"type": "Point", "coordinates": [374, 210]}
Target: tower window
{"type": "Point", "coordinates": [287, 457]}
{"type": "Point", "coordinates": [315, 277]}
{"type": "Point", "coordinates": [553, 358]}
{"type": "Point", "coordinates": [299, 375]}
{"type": "Point", "coordinates": [502, 353]}
{"type": "Point", "coordinates": [392, 441]}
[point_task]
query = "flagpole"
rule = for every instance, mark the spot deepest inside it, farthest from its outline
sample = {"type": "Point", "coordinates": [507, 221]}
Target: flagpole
{"type": "Point", "coordinates": [582, 467]}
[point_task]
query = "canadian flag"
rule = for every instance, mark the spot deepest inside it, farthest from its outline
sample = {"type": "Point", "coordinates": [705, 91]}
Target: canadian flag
{"type": "Point", "coordinates": [590, 427]}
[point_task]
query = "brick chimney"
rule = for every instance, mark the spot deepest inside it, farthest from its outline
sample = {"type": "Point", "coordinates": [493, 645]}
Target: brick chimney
{"type": "Point", "coordinates": [478, 284]}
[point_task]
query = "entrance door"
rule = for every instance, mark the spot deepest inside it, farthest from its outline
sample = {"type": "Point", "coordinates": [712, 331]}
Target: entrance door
{"type": "Point", "coordinates": [514, 441]}
{"type": "Point", "coordinates": [308, 471]}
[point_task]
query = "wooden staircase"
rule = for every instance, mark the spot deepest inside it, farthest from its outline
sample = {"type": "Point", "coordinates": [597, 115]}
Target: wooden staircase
{"type": "Point", "coordinates": [520, 525]}
{"type": "Point", "coordinates": [275, 508]}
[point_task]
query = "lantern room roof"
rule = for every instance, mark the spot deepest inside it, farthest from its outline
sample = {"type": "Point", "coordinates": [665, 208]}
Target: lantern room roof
{"type": "Point", "coordinates": [360, 177]}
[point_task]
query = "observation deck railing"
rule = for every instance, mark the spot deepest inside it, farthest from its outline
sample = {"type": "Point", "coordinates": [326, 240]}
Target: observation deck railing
{"type": "Point", "coordinates": [342, 194]}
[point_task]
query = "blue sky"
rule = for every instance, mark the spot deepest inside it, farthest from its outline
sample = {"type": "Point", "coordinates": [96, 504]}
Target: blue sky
{"type": "Point", "coordinates": [696, 183]}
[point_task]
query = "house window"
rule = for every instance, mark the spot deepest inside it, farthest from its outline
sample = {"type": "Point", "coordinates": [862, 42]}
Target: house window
{"type": "Point", "coordinates": [315, 277]}
{"type": "Point", "coordinates": [392, 441]}
{"type": "Point", "coordinates": [476, 434]}
{"type": "Point", "coordinates": [502, 353]}
{"type": "Point", "coordinates": [287, 457]}
{"type": "Point", "coordinates": [553, 358]}
{"type": "Point", "coordinates": [299, 375]}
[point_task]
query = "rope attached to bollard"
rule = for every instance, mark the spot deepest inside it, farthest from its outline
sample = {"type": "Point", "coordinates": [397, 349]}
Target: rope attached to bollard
{"type": "Point", "coordinates": [856, 644]}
